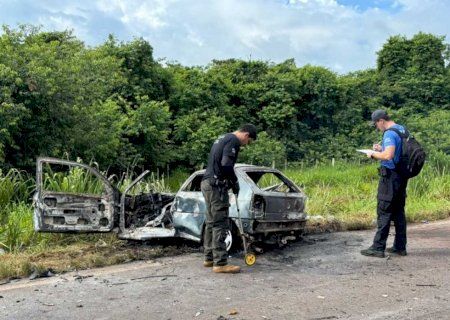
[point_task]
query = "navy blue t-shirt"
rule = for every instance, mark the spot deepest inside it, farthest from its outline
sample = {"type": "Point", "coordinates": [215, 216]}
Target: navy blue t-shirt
{"type": "Point", "coordinates": [225, 149]}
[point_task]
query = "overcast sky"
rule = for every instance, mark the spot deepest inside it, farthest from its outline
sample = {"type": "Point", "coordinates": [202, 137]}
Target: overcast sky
{"type": "Point", "coordinates": [342, 35]}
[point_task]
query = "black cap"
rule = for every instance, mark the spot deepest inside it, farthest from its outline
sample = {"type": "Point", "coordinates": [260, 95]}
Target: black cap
{"type": "Point", "coordinates": [251, 129]}
{"type": "Point", "coordinates": [378, 115]}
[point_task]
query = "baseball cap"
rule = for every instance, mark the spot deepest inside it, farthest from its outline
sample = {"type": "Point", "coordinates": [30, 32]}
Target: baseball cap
{"type": "Point", "coordinates": [250, 128]}
{"type": "Point", "coordinates": [377, 115]}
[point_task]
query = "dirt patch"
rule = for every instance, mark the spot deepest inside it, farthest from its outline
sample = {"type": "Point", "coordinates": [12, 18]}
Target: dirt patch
{"type": "Point", "coordinates": [60, 259]}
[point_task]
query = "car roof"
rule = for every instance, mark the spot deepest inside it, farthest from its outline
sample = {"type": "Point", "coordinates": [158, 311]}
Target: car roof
{"type": "Point", "coordinates": [245, 167]}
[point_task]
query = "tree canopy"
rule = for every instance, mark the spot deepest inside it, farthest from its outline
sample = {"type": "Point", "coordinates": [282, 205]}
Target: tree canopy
{"type": "Point", "coordinates": [116, 105]}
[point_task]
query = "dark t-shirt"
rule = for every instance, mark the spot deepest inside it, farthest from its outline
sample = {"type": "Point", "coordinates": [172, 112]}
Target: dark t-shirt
{"type": "Point", "coordinates": [222, 157]}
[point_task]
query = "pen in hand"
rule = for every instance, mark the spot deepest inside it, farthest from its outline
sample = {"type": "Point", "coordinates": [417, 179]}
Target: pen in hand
{"type": "Point", "coordinates": [376, 147]}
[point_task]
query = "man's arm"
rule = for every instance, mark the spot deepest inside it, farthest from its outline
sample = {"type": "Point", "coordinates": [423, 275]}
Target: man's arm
{"type": "Point", "coordinates": [228, 160]}
{"type": "Point", "coordinates": [387, 154]}
{"type": "Point", "coordinates": [227, 164]}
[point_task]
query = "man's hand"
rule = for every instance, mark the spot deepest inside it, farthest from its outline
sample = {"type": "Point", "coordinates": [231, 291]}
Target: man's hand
{"type": "Point", "coordinates": [235, 188]}
{"type": "Point", "coordinates": [376, 147]}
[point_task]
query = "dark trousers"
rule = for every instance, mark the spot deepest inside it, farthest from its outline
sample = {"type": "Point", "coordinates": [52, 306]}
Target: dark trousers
{"type": "Point", "coordinates": [391, 199]}
{"type": "Point", "coordinates": [216, 225]}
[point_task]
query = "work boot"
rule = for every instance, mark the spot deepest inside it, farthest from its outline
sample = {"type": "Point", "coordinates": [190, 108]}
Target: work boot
{"type": "Point", "coordinates": [228, 268]}
{"type": "Point", "coordinates": [371, 252]}
{"type": "Point", "coordinates": [208, 264]}
{"type": "Point", "coordinates": [396, 251]}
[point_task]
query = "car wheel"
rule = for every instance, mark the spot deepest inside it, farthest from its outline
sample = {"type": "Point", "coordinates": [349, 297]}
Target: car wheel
{"type": "Point", "coordinates": [233, 239]}
{"type": "Point", "coordinates": [229, 240]}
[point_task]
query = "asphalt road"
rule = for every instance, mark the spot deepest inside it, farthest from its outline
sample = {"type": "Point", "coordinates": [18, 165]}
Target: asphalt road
{"type": "Point", "coordinates": [323, 277]}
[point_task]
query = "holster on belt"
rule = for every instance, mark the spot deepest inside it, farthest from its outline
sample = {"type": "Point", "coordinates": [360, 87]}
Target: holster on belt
{"type": "Point", "coordinates": [214, 182]}
{"type": "Point", "coordinates": [383, 171]}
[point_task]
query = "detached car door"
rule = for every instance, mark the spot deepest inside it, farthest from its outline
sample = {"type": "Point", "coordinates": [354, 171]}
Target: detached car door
{"type": "Point", "coordinates": [73, 197]}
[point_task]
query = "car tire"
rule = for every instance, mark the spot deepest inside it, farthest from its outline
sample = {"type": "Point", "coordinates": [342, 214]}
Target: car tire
{"type": "Point", "coordinates": [233, 241]}
{"type": "Point", "coordinates": [229, 240]}
{"type": "Point", "coordinates": [234, 238]}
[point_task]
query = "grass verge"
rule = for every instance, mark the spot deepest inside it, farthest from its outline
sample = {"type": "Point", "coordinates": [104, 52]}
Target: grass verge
{"type": "Point", "coordinates": [99, 251]}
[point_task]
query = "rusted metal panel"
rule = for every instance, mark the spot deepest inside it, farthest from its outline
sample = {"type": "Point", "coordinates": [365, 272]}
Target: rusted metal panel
{"type": "Point", "coordinates": [278, 226]}
{"type": "Point", "coordinates": [70, 211]}
{"type": "Point", "coordinates": [75, 213]}
{"type": "Point", "coordinates": [147, 233]}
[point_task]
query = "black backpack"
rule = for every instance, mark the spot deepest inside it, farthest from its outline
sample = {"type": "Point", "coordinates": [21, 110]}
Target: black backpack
{"type": "Point", "coordinates": [412, 156]}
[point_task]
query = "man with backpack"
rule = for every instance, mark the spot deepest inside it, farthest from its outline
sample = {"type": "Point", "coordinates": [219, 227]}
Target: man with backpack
{"type": "Point", "coordinates": [391, 194]}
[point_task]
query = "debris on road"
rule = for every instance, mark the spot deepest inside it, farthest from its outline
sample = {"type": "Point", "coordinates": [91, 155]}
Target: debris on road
{"type": "Point", "coordinates": [233, 312]}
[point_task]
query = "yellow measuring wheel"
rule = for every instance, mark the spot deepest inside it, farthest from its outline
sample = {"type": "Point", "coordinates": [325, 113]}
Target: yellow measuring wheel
{"type": "Point", "coordinates": [250, 259]}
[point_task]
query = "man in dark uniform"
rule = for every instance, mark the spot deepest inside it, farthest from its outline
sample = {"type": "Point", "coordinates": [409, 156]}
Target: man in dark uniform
{"type": "Point", "coordinates": [218, 178]}
{"type": "Point", "coordinates": [391, 194]}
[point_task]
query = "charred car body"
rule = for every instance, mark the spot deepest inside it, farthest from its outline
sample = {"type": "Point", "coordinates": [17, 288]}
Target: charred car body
{"type": "Point", "coordinates": [272, 208]}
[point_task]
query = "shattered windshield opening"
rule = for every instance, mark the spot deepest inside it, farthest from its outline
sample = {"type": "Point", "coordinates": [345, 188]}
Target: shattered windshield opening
{"type": "Point", "coordinates": [194, 185]}
{"type": "Point", "coordinates": [270, 181]}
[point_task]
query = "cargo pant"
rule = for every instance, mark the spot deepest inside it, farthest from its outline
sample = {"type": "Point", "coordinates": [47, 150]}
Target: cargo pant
{"type": "Point", "coordinates": [216, 224]}
{"type": "Point", "coordinates": [391, 199]}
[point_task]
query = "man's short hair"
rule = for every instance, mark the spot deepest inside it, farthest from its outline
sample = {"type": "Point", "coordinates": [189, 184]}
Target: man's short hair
{"type": "Point", "coordinates": [251, 129]}
{"type": "Point", "coordinates": [378, 115]}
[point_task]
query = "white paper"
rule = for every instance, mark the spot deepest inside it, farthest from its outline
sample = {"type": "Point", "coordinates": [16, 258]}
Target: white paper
{"type": "Point", "coordinates": [366, 151]}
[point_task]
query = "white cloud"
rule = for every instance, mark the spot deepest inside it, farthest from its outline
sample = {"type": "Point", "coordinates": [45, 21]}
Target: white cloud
{"type": "Point", "coordinates": [194, 32]}
{"type": "Point", "coordinates": [137, 15]}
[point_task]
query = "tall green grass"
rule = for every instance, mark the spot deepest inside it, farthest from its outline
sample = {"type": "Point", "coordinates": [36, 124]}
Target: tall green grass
{"type": "Point", "coordinates": [15, 186]}
{"type": "Point", "coordinates": [153, 182]}
{"type": "Point", "coordinates": [346, 193]}
{"type": "Point", "coordinates": [74, 179]}
{"type": "Point", "coordinates": [17, 232]}
{"type": "Point", "coordinates": [429, 193]}
{"type": "Point", "coordinates": [343, 194]}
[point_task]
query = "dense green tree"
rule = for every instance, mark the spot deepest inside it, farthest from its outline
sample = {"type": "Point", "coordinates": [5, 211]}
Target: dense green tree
{"type": "Point", "coordinates": [244, 89]}
{"type": "Point", "coordinates": [189, 90]}
{"type": "Point", "coordinates": [98, 133]}
{"type": "Point", "coordinates": [148, 133]}
{"type": "Point", "coordinates": [394, 58]}
{"type": "Point", "coordinates": [360, 97]}
{"type": "Point", "coordinates": [54, 73]}
{"type": "Point", "coordinates": [413, 72]}
{"type": "Point", "coordinates": [432, 130]}
{"type": "Point", "coordinates": [145, 76]}
{"type": "Point", "coordinates": [11, 113]}
{"type": "Point", "coordinates": [116, 105]}
{"type": "Point", "coordinates": [195, 133]}
{"type": "Point", "coordinates": [428, 54]}
{"type": "Point", "coordinates": [265, 151]}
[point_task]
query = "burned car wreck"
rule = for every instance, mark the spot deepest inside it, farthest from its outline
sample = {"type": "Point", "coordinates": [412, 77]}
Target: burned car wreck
{"type": "Point", "coordinates": [271, 207]}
